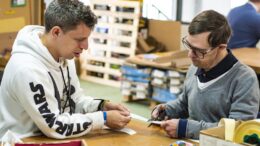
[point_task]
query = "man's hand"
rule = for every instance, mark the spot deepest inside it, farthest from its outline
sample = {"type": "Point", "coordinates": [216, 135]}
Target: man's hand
{"type": "Point", "coordinates": [112, 106]}
{"type": "Point", "coordinates": [158, 112]}
{"type": "Point", "coordinates": [116, 119]}
{"type": "Point", "coordinates": [170, 127]}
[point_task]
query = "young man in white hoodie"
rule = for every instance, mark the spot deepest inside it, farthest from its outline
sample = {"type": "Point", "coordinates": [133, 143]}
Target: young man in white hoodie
{"type": "Point", "coordinates": [40, 90]}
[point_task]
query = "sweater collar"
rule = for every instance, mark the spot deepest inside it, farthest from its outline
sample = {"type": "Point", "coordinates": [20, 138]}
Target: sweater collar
{"type": "Point", "coordinates": [223, 66]}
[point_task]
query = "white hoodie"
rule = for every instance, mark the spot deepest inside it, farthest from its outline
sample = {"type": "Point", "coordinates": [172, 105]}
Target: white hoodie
{"type": "Point", "coordinates": [33, 94]}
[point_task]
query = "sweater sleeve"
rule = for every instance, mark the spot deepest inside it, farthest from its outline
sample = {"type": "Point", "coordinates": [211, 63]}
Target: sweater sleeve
{"type": "Point", "coordinates": [36, 95]}
{"type": "Point", "coordinates": [246, 96]}
{"type": "Point", "coordinates": [179, 108]}
{"type": "Point", "coordinates": [194, 127]}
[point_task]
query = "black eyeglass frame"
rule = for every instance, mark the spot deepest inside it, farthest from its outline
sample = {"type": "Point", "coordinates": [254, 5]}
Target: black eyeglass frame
{"type": "Point", "coordinates": [198, 52]}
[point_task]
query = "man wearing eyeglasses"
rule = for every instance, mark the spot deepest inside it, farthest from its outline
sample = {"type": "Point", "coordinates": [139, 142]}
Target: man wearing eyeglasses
{"type": "Point", "coordinates": [217, 85]}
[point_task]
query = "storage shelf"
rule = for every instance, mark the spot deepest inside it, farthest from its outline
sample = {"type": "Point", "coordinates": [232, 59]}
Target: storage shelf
{"type": "Point", "coordinates": [117, 26]}
{"type": "Point", "coordinates": [101, 80]}
{"type": "Point", "coordinates": [102, 70]}
{"type": "Point", "coordinates": [112, 40]}
{"type": "Point", "coordinates": [116, 14]}
{"type": "Point", "coordinates": [113, 37]}
{"type": "Point", "coordinates": [106, 60]}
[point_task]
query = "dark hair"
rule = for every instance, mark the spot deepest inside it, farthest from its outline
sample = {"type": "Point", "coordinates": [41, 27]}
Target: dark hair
{"type": "Point", "coordinates": [67, 14]}
{"type": "Point", "coordinates": [213, 22]}
{"type": "Point", "coordinates": [254, 1]}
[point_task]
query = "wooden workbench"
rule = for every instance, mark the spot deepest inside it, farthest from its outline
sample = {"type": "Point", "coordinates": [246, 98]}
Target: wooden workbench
{"type": "Point", "coordinates": [146, 136]}
{"type": "Point", "coordinates": [249, 56]}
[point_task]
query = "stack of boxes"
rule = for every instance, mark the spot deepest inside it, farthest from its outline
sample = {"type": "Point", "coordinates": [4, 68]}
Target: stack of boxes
{"type": "Point", "coordinates": [167, 75]}
{"type": "Point", "coordinates": [176, 80]}
{"type": "Point", "coordinates": [135, 82]}
{"type": "Point", "coordinates": [166, 84]}
{"type": "Point", "coordinates": [148, 83]}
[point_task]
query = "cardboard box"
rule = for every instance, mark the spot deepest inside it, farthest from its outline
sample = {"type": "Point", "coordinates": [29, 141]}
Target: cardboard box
{"type": "Point", "coordinates": [166, 32]}
{"type": "Point", "coordinates": [58, 143]}
{"type": "Point", "coordinates": [231, 133]}
{"type": "Point", "coordinates": [144, 46]}
{"type": "Point", "coordinates": [215, 137]}
{"type": "Point", "coordinates": [167, 60]}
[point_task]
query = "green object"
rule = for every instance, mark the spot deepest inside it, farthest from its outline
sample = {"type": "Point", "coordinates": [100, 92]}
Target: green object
{"type": "Point", "coordinates": [18, 3]}
{"type": "Point", "coordinates": [252, 139]}
{"type": "Point", "coordinates": [115, 66]}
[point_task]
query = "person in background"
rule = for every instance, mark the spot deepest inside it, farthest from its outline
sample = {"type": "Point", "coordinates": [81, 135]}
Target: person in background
{"type": "Point", "coordinates": [244, 22]}
{"type": "Point", "coordinates": [217, 85]}
{"type": "Point", "coordinates": [40, 91]}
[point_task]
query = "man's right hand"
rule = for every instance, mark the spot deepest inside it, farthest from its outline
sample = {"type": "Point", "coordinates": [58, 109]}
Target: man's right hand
{"type": "Point", "coordinates": [158, 113]}
{"type": "Point", "coordinates": [117, 119]}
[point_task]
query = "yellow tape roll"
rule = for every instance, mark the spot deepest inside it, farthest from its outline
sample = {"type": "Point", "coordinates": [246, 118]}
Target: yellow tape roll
{"type": "Point", "coordinates": [246, 128]}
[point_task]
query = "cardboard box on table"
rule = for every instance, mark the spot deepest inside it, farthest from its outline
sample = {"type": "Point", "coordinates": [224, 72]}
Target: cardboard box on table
{"type": "Point", "coordinates": [230, 133]}
{"type": "Point", "coordinates": [166, 32]}
{"type": "Point", "coordinates": [170, 60]}
{"type": "Point", "coordinates": [215, 137]}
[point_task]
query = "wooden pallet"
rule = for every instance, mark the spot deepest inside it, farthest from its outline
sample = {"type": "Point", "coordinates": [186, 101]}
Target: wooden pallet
{"type": "Point", "coordinates": [113, 39]}
{"type": "Point", "coordinates": [152, 103]}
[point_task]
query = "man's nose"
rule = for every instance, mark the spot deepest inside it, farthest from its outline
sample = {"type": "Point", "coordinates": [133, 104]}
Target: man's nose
{"type": "Point", "coordinates": [84, 45]}
{"type": "Point", "coordinates": [191, 54]}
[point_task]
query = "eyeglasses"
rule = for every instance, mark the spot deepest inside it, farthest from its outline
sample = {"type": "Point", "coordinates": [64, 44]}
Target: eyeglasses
{"type": "Point", "coordinates": [198, 52]}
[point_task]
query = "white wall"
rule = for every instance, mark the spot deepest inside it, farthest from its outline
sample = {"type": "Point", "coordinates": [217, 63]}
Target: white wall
{"type": "Point", "coordinates": [222, 6]}
{"type": "Point", "coordinates": [167, 7]}
{"type": "Point", "coordinates": [188, 10]}
{"type": "Point", "coordinates": [192, 7]}
{"type": "Point", "coordinates": [47, 2]}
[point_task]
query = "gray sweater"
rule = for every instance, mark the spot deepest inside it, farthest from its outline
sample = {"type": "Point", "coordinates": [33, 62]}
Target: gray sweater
{"type": "Point", "coordinates": [235, 95]}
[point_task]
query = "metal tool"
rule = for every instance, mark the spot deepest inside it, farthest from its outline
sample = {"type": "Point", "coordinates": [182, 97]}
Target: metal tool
{"type": "Point", "coordinates": [161, 116]}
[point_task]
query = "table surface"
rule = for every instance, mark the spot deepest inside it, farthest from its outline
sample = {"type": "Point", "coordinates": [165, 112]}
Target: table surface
{"type": "Point", "coordinates": [145, 136]}
{"type": "Point", "coordinates": [249, 56]}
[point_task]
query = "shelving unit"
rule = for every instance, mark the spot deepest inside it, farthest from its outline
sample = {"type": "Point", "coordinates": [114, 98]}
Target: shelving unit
{"type": "Point", "coordinates": [113, 39]}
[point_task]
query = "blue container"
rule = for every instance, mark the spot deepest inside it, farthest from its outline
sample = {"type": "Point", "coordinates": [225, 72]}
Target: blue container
{"type": "Point", "coordinates": [162, 95]}
{"type": "Point", "coordinates": [138, 72]}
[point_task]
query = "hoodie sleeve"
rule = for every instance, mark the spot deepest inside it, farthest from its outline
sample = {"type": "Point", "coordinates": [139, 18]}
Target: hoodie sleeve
{"type": "Point", "coordinates": [36, 95]}
{"type": "Point", "coordinates": [84, 104]}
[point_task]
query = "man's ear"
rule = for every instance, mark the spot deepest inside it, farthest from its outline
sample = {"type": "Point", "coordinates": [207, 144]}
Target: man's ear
{"type": "Point", "coordinates": [222, 46]}
{"type": "Point", "coordinates": [56, 31]}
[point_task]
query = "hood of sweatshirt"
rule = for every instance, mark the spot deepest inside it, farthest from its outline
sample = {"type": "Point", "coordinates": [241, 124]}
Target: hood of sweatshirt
{"type": "Point", "coordinates": [28, 42]}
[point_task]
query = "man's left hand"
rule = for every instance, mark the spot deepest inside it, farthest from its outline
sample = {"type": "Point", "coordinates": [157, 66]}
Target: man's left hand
{"type": "Point", "coordinates": [113, 106]}
{"type": "Point", "coordinates": [170, 127]}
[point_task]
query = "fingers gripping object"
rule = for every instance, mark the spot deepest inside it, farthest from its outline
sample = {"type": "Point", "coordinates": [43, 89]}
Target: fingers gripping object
{"type": "Point", "coordinates": [161, 116]}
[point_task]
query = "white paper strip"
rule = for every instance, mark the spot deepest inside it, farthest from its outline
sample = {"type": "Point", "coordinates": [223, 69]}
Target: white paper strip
{"type": "Point", "coordinates": [124, 130]}
{"type": "Point", "coordinates": [138, 117]}
{"type": "Point", "coordinates": [128, 131]}
{"type": "Point", "coordinates": [156, 122]}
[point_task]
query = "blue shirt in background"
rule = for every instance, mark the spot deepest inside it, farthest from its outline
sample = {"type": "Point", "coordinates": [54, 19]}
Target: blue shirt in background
{"type": "Point", "coordinates": [245, 24]}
